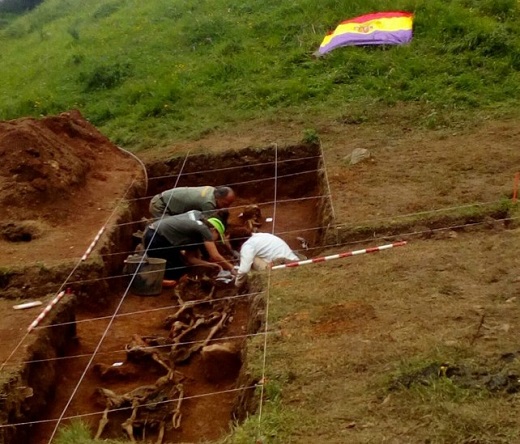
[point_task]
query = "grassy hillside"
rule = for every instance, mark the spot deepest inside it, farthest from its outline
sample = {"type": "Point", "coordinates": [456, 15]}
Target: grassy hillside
{"type": "Point", "coordinates": [356, 353]}
{"type": "Point", "coordinates": [148, 73]}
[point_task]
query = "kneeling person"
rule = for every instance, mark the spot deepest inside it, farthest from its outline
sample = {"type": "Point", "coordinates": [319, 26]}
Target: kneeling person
{"type": "Point", "coordinates": [179, 240]}
{"type": "Point", "coordinates": [258, 251]}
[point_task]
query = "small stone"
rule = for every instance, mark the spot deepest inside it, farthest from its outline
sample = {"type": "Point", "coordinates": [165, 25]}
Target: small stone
{"type": "Point", "coordinates": [357, 155]}
{"type": "Point", "coordinates": [221, 361]}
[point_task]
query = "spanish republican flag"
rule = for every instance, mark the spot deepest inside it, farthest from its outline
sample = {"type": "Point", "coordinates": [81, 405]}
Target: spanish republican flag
{"type": "Point", "coordinates": [380, 28]}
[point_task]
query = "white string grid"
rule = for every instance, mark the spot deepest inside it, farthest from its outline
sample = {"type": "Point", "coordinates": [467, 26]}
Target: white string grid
{"type": "Point", "coordinates": [338, 227]}
{"type": "Point", "coordinates": [386, 237]}
{"type": "Point", "coordinates": [98, 346]}
{"type": "Point", "coordinates": [321, 247]}
{"type": "Point", "coordinates": [265, 333]}
{"type": "Point", "coordinates": [267, 301]}
{"type": "Point", "coordinates": [76, 266]}
{"type": "Point", "coordinates": [347, 243]}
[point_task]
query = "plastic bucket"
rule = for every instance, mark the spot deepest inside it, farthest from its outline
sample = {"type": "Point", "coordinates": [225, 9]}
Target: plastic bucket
{"type": "Point", "coordinates": [149, 274]}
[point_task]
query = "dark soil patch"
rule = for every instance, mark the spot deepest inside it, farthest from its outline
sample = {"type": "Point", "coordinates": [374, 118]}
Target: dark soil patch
{"type": "Point", "coordinates": [349, 317]}
{"type": "Point", "coordinates": [495, 380]}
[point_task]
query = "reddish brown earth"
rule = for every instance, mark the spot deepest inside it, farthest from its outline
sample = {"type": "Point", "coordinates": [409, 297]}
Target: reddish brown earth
{"type": "Point", "coordinates": [207, 416]}
{"type": "Point", "coordinates": [204, 416]}
{"type": "Point", "coordinates": [410, 172]}
{"type": "Point", "coordinates": [62, 181]}
{"type": "Point", "coordinates": [61, 178]}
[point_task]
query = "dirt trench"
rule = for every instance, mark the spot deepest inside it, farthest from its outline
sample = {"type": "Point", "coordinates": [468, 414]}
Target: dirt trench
{"type": "Point", "coordinates": [134, 350]}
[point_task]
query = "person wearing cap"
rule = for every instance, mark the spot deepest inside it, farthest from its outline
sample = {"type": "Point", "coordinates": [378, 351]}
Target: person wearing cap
{"type": "Point", "coordinates": [180, 200]}
{"type": "Point", "coordinates": [179, 240]}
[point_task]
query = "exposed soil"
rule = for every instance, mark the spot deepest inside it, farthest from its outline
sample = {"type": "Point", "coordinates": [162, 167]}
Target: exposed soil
{"type": "Point", "coordinates": [62, 181]}
{"type": "Point", "coordinates": [203, 417]}
{"type": "Point", "coordinates": [348, 317]}
{"type": "Point", "coordinates": [65, 157]}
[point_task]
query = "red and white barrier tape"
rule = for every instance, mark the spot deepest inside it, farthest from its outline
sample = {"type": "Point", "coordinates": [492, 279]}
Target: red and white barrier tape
{"type": "Point", "coordinates": [51, 304]}
{"type": "Point", "coordinates": [46, 311]}
{"type": "Point", "coordinates": [93, 244]}
{"type": "Point", "coordinates": [338, 256]}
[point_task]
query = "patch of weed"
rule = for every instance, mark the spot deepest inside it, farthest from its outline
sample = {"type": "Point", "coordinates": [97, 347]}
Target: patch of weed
{"type": "Point", "coordinates": [105, 76]}
{"type": "Point", "coordinates": [310, 136]}
{"type": "Point", "coordinates": [77, 432]}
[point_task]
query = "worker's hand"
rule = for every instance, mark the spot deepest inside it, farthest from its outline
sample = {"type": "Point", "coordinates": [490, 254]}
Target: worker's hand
{"type": "Point", "coordinates": [215, 268]}
{"type": "Point", "coordinates": [242, 284]}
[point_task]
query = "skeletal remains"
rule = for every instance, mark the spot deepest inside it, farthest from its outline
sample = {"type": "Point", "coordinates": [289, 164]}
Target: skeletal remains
{"type": "Point", "coordinates": [151, 405]}
{"type": "Point", "coordinates": [191, 316]}
{"type": "Point", "coordinates": [251, 218]}
{"type": "Point", "coordinates": [154, 406]}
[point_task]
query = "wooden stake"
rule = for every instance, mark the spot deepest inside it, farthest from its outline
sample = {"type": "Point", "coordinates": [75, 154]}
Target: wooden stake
{"type": "Point", "coordinates": [515, 186]}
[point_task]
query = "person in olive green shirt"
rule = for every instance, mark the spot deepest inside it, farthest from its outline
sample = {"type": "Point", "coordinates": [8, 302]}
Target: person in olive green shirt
{"type": "Point", "coordinates": [180, 238]}
{"type": "Point", "coordinates": [206, 199]}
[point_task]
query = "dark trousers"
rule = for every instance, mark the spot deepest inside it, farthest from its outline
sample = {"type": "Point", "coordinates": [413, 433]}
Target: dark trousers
{"type": "Point", "coordinates": [159, 247]}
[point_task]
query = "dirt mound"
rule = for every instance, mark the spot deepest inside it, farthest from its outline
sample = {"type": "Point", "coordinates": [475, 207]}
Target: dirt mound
{"type": "Point", "coordinates": [45, 160]}
{"type": "Point", "coordinates": [60, 180]}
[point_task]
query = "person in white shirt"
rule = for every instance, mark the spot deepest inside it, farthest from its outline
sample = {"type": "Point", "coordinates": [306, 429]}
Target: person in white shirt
{"type": "Point", "coordinates": [258, 251]}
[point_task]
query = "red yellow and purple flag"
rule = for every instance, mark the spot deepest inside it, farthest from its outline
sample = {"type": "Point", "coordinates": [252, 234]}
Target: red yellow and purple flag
{"type": "Point", "coordinates": [379, 28]}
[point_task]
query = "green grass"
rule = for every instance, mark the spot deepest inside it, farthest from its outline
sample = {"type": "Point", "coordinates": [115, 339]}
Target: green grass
{"type": "Point", "coordinates": [77, 432]}
{"type": "Point", "coordinates": [365, 382]}
{"type": "Point", "coordinates": [148, 73]}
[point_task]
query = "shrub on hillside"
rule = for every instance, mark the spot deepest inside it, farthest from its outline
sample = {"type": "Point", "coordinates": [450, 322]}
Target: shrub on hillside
{"type": "Point", "coordinates": [18, 6]}
{"type": "Point", "coordinates": [105, 76]}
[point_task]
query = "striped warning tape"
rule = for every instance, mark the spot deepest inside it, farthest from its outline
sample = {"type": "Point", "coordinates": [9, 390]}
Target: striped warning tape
{"type": "Point", "coordinates": [340, 255]}
{"type": "Point", "coordinates": [93, 244]}
{"type": "Point", "coordinates": [46, 311]}
{"type": "Point", "coordinates": [51, 304]}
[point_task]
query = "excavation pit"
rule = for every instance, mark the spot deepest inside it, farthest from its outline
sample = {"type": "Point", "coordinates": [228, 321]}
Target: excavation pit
{"type": "Point", "coordinates": [133, 350]}
{"type": "Point", "coordinates": [209, 402]}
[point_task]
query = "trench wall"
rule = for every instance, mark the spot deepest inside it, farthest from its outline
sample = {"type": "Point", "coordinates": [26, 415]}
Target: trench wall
{"type": "Point", "coordinates": [26, 389]}
{"type": "Point", "coordinates": [243, 170]}
{"type": "Point", "coordinates": [27, 384]}
{"type": "Point", "coordinates": [424, 226]}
